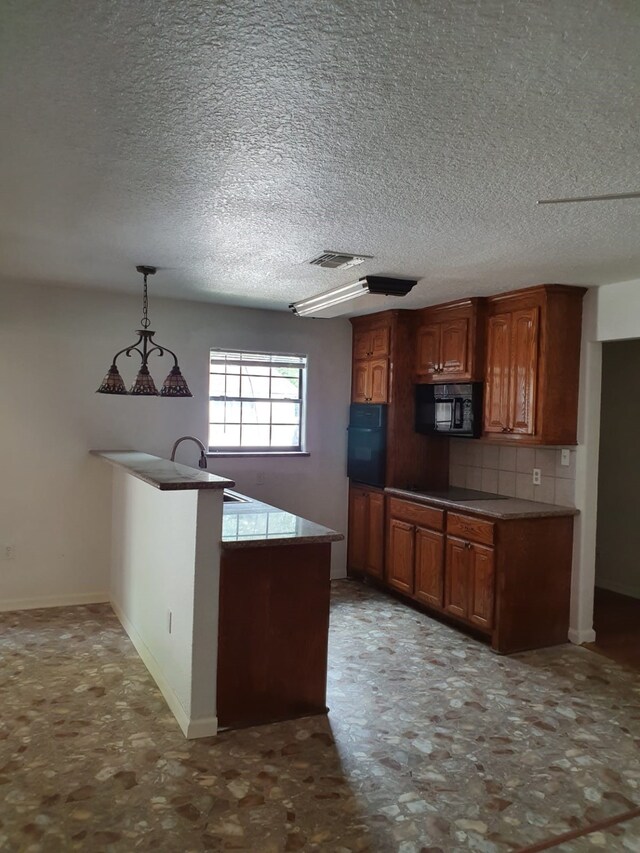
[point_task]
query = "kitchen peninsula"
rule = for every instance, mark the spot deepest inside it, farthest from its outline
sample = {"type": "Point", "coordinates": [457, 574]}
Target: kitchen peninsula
{"type": "Point", "coordinates": [226, 599]}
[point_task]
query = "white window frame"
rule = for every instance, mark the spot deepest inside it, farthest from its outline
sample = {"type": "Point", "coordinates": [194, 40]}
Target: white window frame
{"type": "Point", "coordinates": [260, 358]}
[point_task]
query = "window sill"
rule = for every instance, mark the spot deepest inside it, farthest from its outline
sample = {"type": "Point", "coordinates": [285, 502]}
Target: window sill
{"type": "Point", "coordinates": [264, 454]}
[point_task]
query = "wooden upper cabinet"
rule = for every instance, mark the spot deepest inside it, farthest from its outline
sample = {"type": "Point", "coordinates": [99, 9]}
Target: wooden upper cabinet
{"type": "Point", "coordinates": [371, 343]}
{"type": "Point", "coordinates": [370, 369]}
{"type": "Point", "coordinates": [532, 365]}
{"type": "Point", "coordinates": [428, 350]}
{"type": "Point", "coordinates": [449, 341]}
{"type": "Point", "coordinates": [370, 381]}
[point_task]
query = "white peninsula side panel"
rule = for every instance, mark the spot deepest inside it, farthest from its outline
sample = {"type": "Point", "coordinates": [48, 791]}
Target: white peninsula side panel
{"type": "Point", "coordinates": [165, 587]}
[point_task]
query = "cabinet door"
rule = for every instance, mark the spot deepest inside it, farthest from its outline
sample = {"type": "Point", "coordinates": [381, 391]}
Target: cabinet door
{"type": "Point", "coordinates": [379, 342]}
{"type": "Point", "coordinates": [428, 350]}
{"type": "Point", "coordinates": [361, 344]}
{"type": "Point", "coordinates": [378, 385]}
{"type": "Point", "coordinates": [456, 574]}
{"type": "Point", "coordinates": [358, 529]}
{"type": "Point", "coordinates": [454, 349]}
{"type": "Point", "coordinates": [482, 584]}
{"type": "Point", "coordinates": [524, 370]}
{"type": "Point", "coordinates": [361, 382]}
{"type": "Point", "coordinates": [429, 567]}
{"type": "Point", "coordinates": [400, 555]}
{"type": "Point", "coordinates": [498, 374]}
{"type": "Point", "coordinates": [375, 546]}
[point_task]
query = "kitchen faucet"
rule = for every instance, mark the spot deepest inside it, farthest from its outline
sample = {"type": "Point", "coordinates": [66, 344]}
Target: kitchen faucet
{"type": "Point", "coordinates": [202, 462]}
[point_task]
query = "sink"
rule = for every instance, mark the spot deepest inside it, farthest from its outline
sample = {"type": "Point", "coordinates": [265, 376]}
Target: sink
{"type": "Point", "coordinates": [233, 497]}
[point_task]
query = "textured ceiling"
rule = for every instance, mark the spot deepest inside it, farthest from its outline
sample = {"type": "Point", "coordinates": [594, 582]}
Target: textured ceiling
{"type": "Point", "coordinates": [231, 142]}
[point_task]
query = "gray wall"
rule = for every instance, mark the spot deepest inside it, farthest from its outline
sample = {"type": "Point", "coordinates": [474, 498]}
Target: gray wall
{"type": "Point", "coordinates": [618, 531]}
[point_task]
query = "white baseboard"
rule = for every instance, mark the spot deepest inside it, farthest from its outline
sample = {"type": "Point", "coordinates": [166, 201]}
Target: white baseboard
{"type": "Point", "coordinates": [204, 727]}
{"type": "Point", "coordinates": [69, 600]}
{"type": "Point", "coordinates": [587, 635]}
{"type": "Point", "coordinates": [622, 587]}
{"type": "Point", "coordinates": [191, 728]}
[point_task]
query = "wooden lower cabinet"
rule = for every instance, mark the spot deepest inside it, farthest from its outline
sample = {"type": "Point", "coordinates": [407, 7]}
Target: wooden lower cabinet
{"type": "Point", "coordinates": [429, 577]}
{"type": "Point", "coordinates": [400, 555]}
{"type": "Point", "coordinates": [414, 551]}
{"type": "Point", "coordinates": [507, 578]}
{"type": "Point", "coordinates": [365, 551]}
{"type": "Point", "coordinates": [470, 582]}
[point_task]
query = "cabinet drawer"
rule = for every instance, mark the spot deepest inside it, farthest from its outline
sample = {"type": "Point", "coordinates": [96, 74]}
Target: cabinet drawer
{"type": "Point", "coordinates": [424, 516]}
{"type": "Point", "coordinates": [468, 527]}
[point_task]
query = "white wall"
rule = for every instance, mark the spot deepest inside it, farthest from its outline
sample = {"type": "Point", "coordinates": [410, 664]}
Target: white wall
{"type": "Point", "coordinates": [56, 344]}
{"type": "Point", "coordinates": [165, 579]}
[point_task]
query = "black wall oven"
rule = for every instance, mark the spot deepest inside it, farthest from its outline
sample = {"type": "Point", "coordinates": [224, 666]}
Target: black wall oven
{"type": "Point", "coordinates": [367, 443]}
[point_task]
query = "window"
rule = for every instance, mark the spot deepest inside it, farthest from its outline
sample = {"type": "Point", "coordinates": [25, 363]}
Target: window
{"type": "Point", "coordinates": [256, 401]}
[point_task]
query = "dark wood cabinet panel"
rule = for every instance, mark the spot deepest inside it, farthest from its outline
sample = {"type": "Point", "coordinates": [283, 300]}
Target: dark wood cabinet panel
{"type": "Point", "coordinates": [428, 350]}
{"type": "Point", "coordinates": [524, 370]}
{"type": "Point", "coordinates": [360, 382]}
{"type": "Point", "coordinates": [371, 343]}
{"type": "Point", "coordinates": [379, 346]}
{"type": "Point", "coordinates": [481, 586]}
{"type": "Point", "coordinates": [375, 544]}
{"type": "Point", "coordinates": [365, 545]}
{"type": "Point", "coordinates": [272, 633]}
{"type": "Point", "coordinates": [400, 555]}
{"type": "Point", "coordinates": [498, 374]}
{"type": "Point", "coordinates": [378, 385]}
{"type": "Point", "coordinates": [358, 529]}
{"type": "Point", "coordinates": [456, 595]}
{"type": "Point", "coordinates": [361, 344]}
{"type": "Point", "coordinates": [429, 567]}
{"type": "Point", "coordinates": [454, 348]}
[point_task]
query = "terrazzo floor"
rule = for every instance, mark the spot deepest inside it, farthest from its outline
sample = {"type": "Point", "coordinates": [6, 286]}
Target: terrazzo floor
{"type": "Point", "coordinates": [433, 744]}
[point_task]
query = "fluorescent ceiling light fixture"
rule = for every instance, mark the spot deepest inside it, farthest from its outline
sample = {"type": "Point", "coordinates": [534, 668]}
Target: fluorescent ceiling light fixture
{"type": "Point", "coordinates": [346, 292]}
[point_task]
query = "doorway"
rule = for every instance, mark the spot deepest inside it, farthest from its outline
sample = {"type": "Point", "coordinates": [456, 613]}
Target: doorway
{"type": "Point", "coordinates": [616, 616]}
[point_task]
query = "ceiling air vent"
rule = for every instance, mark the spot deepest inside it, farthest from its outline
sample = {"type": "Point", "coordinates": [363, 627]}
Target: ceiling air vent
{"type": "Point", "coordinates": [338, 260]}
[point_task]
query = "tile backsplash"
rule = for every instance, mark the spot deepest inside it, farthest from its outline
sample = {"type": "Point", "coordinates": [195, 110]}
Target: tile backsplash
{"type": "Point", "coordinates": [509, 471]}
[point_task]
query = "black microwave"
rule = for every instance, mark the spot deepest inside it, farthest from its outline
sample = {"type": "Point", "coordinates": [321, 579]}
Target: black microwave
{"type": "Point", "coordinates": [449, 409]}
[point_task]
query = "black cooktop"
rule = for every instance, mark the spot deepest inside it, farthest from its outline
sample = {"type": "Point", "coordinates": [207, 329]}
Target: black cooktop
{"type": "Point", "coordinates": [456, 493]}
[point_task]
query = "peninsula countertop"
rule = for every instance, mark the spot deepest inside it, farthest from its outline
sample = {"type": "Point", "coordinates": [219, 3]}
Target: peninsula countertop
{"type": "Point", "coordinates": [498, 507]}
{"type": "Point", "coordinates": [250, 523]}
{"type": "Point", "coordinates": [162, 473]}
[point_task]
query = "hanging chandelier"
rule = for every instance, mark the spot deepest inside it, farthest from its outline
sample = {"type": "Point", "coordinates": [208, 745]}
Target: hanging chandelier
{"type": "Point", "coordinates": [173, 386]}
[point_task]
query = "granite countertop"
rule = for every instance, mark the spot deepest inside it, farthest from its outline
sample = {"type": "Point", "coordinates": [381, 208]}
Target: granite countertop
{"type": "Point", "coordinates": [501, 508]}
{"type": "Point", "coordinates": [162, 473]}
{"type": "Point", "coordinates": [254, 524]}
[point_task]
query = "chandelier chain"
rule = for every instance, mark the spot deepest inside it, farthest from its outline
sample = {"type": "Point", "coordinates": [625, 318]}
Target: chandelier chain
{"type": "Point", "coordinates": [145, 306]}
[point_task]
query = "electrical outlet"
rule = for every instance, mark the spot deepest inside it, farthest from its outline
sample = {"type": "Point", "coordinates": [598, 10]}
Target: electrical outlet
{"type": "Point", "coordinates": [565, 456]}
{"type": "Point", "coordinates": [9, 552]}
{"type": "Point", "coordinates": [537, 476]}
{"type": "Point", "coordinates": [260, 478]}
{"type": "Point", "coordinates": [169, 621]}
